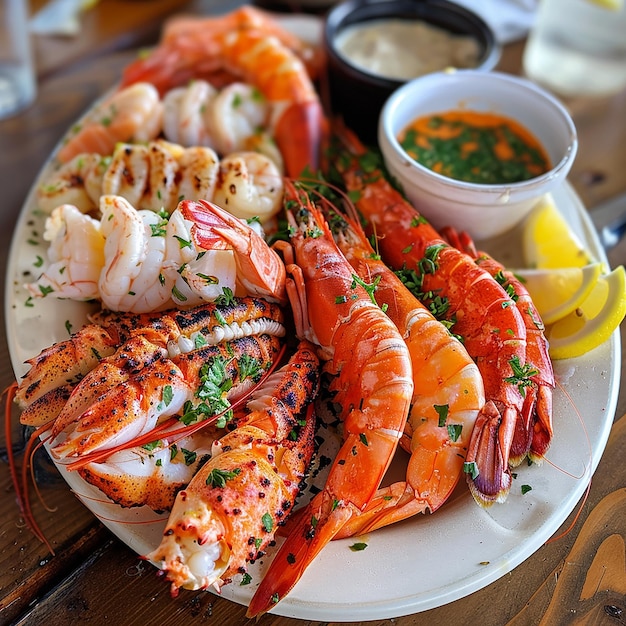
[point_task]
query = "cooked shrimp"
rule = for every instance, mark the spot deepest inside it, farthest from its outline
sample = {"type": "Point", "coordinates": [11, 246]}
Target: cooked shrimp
{"type": "Point", "coordinates": [260, 271]}
{"type": "Point", "coordinates": [188, 28]}
{"type": "Point", "coordinates": [159, 174]}
{"type": "Point", "coordinates": [185, 114]}
{"type": "Point", "coordinates": [195, 275]}
{"type": "Point", "coordinates": [254, 57]}
{"type": "Point", "coordinates": [188, 47]}
{"type": "Point", "coordinates": [131, 276]}
{"type": "Point", "coordinates": [199, 169]}
{"type": "Point", "coordinates": [77, 182]}
{"type": "Point", "coordinates": [237, 113]}
{"type": "Point", "coordinates": [151, 262]}
{"type": "Point", "coordinates": [232, 119]}
{"type": "Point", "coordinates": [145, 175]}
{"type": "Point", "coordinates": [463, 295]}
{"type": "Point", "coordinates": [448, 393]}
{"type": "Point", "coordinates": [75, 256]}
{"type": "Point", "coordinates": [134, 114]}
{"type": "Point", "coordinates": [373, 385]}
{"type": "Point", "coordinates": [142, 261]}
{"type": "Point", "coordinates": [249, 186]}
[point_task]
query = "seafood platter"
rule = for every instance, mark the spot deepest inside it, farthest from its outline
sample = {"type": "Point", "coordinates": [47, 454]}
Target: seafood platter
{"type": "Point", "coordinates": [248, 389]}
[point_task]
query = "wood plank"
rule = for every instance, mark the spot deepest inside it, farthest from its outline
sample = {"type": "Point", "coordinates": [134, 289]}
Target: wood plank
{"type": "Point", "coordinates": [102, 32]}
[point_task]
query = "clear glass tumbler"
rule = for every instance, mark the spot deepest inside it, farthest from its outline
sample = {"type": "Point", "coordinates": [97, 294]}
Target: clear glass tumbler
{"type": "Point", "coordinates": [18, 85]}
{"type": "Point", "coordinates": [577, 47]}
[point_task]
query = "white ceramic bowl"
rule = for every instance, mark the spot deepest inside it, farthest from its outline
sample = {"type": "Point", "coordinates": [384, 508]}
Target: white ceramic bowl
{"type": "Point", "coordinates": [480, 209]}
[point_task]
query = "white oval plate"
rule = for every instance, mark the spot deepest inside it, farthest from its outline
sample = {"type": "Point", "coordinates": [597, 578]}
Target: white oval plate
{"type": "Point", "coordinates": [464, 547]}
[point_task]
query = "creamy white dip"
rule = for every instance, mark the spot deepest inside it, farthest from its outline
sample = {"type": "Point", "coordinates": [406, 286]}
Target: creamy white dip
{"type": "Point", "coordinates": [405, 49]}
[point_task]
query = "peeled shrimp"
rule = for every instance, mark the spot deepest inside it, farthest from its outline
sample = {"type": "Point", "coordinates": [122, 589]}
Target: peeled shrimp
{"type": "Point", "coordinates": [76, 256]}
{"type": "Point", "coordinates": [77, 182]}
{"type": "Point", "coordinates": [199, 168]}
{"type": "Point", "coordinates": [132, 114]}
{"type": "Point", "coordinates": [232, 119]}
{"type": "Point", "coordinates": [236, 114]}
{"type": "Point", "coordinates": [158, 175]}
{"type": "Point", "coordinates": [131, 272]}
{"type": "Point", "coordinates": [185, 117]}
{"type": "Point", "coordinates": [249, 185]}
{"type": "Point", "coordinates": [142, 261]}
{"type": "Point", "coordinates": [152, 264]}
{"type": "Point", "coordinates": [146, 175]}
{"type": "Point", "coordinates": [195, 277]}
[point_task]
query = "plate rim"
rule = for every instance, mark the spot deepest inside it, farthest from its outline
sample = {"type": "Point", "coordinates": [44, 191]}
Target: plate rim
{"type": "Point", "coordinates": [316, 609]}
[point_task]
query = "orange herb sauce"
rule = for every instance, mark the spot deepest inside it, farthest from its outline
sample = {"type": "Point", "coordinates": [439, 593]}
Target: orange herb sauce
{"type": "Point", "coordinates": [475, 147]}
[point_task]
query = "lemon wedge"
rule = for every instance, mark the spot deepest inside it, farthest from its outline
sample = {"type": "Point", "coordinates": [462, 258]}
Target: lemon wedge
{"type": "Point", "coordinates": [612, 5]}
{"type": "Point", "coordinates": [558, 292]}
{"type": "Point", "coordinates": [548, 241]}
{"type": "Point", "coordinates": [593, 321]}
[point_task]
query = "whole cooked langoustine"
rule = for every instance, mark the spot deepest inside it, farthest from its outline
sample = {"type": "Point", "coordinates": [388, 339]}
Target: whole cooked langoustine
{"type": "Point", "coordinates": [458, 292]}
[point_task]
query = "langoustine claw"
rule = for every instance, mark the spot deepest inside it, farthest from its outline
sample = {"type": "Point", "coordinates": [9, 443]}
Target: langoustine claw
{"type": "Point", "coordinates": [229, 513]}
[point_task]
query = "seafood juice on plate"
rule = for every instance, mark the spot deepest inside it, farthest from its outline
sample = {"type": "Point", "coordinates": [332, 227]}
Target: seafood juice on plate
{"type": "Point", "coordinates": [276, 403]}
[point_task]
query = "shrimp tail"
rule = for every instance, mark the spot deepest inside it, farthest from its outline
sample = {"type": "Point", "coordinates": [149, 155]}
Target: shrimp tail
{"type": "Point", "coordinates": [489, 450]}
{"type": "Point", "coordinates": [311, 530]}
{"type": "Point", "coordinates": [261, 266]}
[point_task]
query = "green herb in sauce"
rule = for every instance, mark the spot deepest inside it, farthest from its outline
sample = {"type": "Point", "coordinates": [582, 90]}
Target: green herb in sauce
{"type": "Point", "coordinates": [474, 147]}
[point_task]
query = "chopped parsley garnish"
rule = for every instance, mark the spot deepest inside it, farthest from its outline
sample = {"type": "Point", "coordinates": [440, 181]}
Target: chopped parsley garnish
{"type": "Point", "coordinates": [442, 412]}
{"type": "Point", "coordinates": [454, 431]}
{"type": "Point", "coordinates": [522, 375]}
{"type": "Point", "coordinates": [471, 469]}
{"type": "Point", "coordinates": [226, 298]}
{"type": "Point", "coordinates": [267, 522]}
{"type": "Point", "coordinates": [218, 477]}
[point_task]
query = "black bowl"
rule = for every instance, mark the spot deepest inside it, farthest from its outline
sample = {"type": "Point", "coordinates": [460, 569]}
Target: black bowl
{"type": "Point", "coordinates": [358, 96]}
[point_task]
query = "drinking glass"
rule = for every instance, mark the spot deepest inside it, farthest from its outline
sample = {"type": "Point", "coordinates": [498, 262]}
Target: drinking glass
{"type": "Point", "coordinates": [577, 47]}
{"type": "Point", "coordinates": [17, 72]}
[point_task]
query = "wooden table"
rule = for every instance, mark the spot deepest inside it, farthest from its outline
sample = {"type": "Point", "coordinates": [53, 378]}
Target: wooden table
{"type": "Point", "coordinates": [95, 579]}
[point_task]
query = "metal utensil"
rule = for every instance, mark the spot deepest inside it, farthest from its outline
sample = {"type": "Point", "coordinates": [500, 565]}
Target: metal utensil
{"type": "Point", "coordinates": [609, 218]}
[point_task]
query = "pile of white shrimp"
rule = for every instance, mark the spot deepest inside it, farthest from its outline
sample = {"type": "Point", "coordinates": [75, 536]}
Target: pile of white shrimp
{"type": "Point", "coordinates": [114, 231]}
{"type": "Point", "coordinates": [131, 260]}
{"type": "Point", "coordinates": [159, 174]}
{"type": "Point", "coordinates": [234, 118]}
